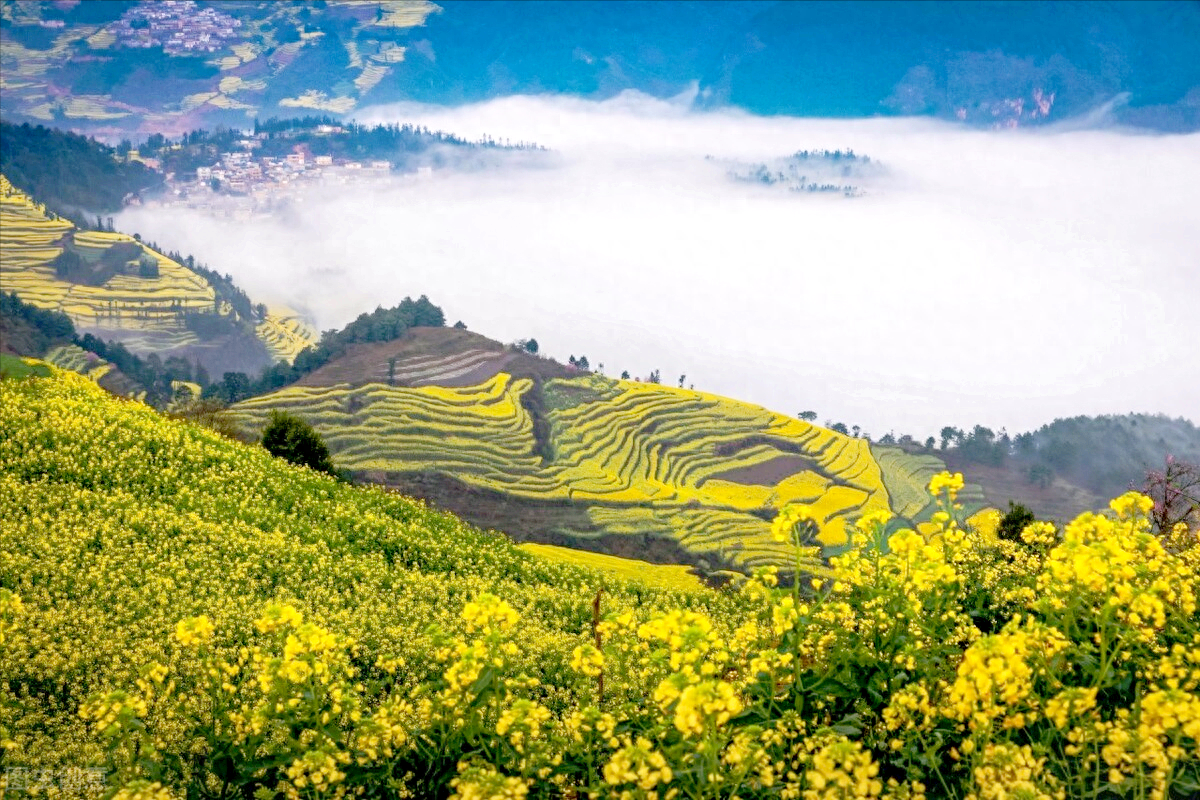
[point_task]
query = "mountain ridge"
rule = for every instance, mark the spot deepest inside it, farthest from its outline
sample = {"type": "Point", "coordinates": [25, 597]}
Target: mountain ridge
{"type": "Point", "coordinates": [986, 63]}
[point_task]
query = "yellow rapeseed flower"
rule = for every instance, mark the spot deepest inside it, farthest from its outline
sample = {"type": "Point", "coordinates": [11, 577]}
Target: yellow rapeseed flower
{"type": "Point", "coordinates": [194, 631]}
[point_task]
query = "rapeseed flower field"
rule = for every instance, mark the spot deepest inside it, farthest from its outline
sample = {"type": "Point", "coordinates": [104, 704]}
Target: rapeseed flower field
{"type": "Point", "coordinates": [196, 619]}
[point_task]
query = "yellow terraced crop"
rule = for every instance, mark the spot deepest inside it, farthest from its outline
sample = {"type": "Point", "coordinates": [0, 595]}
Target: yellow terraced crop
{"type": "Point", "coordinates": [637, 445]}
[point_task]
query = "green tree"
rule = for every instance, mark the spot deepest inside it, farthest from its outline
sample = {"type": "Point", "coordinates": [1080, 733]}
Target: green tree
{"type": "Point", "coordinates": [234, 387]}
{"type": "Point", "coordinates": [1041, 475]}
{"type": "Point", "coordinates": [951, 434]}
{"type": "Point", "coordinates": [291, 438]}
{"type": "Point", "coordinates": [67, 265]}
{"type": "Point", "coordinates": [808, 416]}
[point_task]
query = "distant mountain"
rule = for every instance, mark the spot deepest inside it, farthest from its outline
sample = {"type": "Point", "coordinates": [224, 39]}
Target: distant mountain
{"type": "Point", "coordinates": [1072, 465]}
{"type": "Point", "coordinates": [172, 67]}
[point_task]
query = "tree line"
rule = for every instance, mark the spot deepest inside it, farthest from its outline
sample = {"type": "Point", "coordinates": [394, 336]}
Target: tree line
{"type": "Point", "coordinates": [1107, 454]}
{"type": "Point", "coordinates": [68, 172]}
{"type": "Point", "coordinates": [323, 135]}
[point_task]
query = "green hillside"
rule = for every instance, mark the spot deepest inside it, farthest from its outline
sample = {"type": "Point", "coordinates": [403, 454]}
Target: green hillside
{"type": "Point", "coordinates": [185, 616]}
{"type": "Point", "coordinates": [549, 454]}
{"type": "Point", "coordinates": [1071, 464]}
{"type": "Point", "coordinates": [68, 171]}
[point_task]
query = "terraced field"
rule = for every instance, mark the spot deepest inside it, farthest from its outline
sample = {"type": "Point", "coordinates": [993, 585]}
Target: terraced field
{"type": "Point", "coordinates": [32, 238]}
{"type": "Point", "coordinates": [659, 576]}
{"type": "Point", "coordinates": [633, 459]}
{"type": "Point", "coordinates": [906, 476]}
{"type": "Point", "coordinates": [101, 372]}
{"type": "Point", "coordinates": [76, 359]}
{"type": "Point", "coordinates": [285, 333]}
{"type": "Point", "coordinates": [146, 314]}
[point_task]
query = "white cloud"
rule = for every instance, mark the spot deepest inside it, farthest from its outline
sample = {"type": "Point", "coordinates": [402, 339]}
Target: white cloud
{"type": "Point", "coordinates": [1003, 278]}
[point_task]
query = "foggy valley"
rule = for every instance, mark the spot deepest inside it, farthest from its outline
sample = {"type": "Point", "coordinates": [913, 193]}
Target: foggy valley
{"type": "Point", "coordinates": [1004, 277]}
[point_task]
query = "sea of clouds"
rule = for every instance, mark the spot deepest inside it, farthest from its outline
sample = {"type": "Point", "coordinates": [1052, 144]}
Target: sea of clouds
{"type": "Point", "coordinates": [1004, 278]}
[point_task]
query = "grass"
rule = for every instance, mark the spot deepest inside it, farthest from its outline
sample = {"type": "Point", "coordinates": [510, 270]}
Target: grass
{"type": "Point", "coordinates": [17, 367]}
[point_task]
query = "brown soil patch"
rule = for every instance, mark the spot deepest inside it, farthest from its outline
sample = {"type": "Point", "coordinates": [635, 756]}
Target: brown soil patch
{"type": "Point", "coordinates": [424, 356]}
{"type": "Point", "coordinates": [727, 449]}
{"type": "Point", "coordinates": [767, 473]}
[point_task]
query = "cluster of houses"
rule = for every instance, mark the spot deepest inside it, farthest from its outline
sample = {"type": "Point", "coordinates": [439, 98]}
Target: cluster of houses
{"type": "Point", "coordinates": [178, 26]}
{"type": "Point", "coordinates": [243, 183]}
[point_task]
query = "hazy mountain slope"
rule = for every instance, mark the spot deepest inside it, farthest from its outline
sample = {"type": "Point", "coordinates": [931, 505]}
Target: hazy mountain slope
{"type": "Point", "coordinates": [1057, 499]}
{"type": "Point", "coordinates": [1070, 465]}
{"type": "Point", "coordinates": [141, 297]}
{"type": "Point", "coordinates": [1107, 453]}
{"type": "Point", "coordinates": [860, 58]}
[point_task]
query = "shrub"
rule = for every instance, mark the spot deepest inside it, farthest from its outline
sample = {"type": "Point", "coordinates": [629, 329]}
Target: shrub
{"type": "Point", "coordinates": [291, 438]}
{"type": "Point", "coordinates": [1014, 522]}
